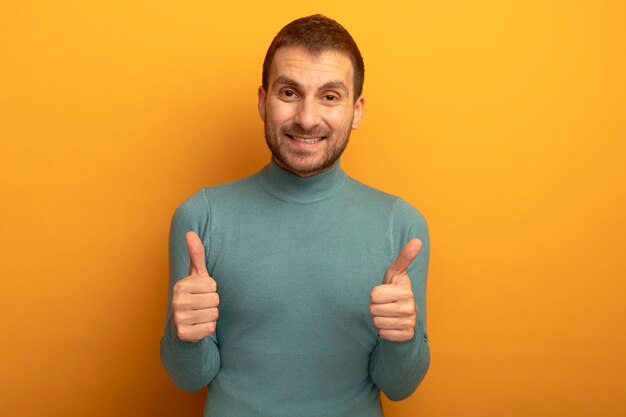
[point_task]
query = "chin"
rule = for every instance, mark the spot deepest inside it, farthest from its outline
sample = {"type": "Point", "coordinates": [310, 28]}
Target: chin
{"type": "Point", "coordinates": [307, 170]}
{"type": "Point", "coordinates": [304, 162]}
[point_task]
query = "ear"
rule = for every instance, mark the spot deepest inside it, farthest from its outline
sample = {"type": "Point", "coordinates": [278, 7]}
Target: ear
{"type": "Point", "coordinates": [359, 109]}
{"type": "Point", "coordinates": [262, 96]}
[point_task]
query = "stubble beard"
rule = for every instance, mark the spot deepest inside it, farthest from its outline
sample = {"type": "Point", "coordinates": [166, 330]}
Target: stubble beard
{"type": "Point", "coordinates": [295, 160]}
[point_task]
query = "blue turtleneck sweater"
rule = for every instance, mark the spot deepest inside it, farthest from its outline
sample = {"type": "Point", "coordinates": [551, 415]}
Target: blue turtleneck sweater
{"type": "Point", "coordinates": [295, 260]}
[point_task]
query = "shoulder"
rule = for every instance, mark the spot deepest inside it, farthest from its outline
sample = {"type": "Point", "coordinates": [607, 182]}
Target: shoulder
{"type": "Point", "coordinates": [399, 207]}
{"type": "Point", "coordinates": [231, 188]}
{"type": "Point", "coordinates": [406, 213]}
{"type": "Point", "coordinates": [197, 207]}
{"type": "Point", "coordinates": [202, 200]}
{"type": "Point", "coordinates": [191, 214]}
{"type": "Point", "coordinates": [404, 219]}
{"type": "Point", "coordinates": [366, 194]}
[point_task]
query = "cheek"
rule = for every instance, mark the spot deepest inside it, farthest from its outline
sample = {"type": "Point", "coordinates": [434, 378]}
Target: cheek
{"type": "Point", "coordinates": [333, 118]}
{"type": "Point", "coordinates": [340, 122]}
{"type": "Point", "coordinates": [278, 112]}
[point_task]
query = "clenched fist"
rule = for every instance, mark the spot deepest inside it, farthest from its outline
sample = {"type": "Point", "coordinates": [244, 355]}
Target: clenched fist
{"type": "Point", "coordinates": [392, 304]}
{"type": "Point", "coordinates": [195, 299]}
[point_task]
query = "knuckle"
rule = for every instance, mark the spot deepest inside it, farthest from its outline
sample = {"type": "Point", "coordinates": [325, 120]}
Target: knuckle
{"type": "Point", "coordinates": [178, 304]}
{"type": "Point", "coordinates": [375, 294]}
{"type": "Point", "coordinates": [211, 327]}
{"type": "Point", "coordinates": [209, 285]}
{"type": "Point", "coordinates": [183, 334]}
{"type": "Point", "coordinates": [409, 310]}
{"type": "Point", "coordinates": [179, 286]}
{"type": "Point", "coordinates": [405, 307]}
{"type": "Point", "coordinates": [179, 319]}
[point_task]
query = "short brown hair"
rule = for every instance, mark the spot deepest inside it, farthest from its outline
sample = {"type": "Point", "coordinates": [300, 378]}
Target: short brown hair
{"type": "Point", "coordinates": [317, 33]}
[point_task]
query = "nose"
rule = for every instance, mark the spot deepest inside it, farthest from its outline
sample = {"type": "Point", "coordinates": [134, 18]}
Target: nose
{"type": "Point", "coordinates": [307, 114]}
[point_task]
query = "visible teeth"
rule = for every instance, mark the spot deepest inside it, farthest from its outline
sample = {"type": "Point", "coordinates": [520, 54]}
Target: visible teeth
{"type": "Point", "coordinates": [307, 140]}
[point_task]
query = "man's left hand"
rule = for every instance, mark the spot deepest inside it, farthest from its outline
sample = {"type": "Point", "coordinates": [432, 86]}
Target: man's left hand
{"type": "Point", "coordinates": [392, 304]}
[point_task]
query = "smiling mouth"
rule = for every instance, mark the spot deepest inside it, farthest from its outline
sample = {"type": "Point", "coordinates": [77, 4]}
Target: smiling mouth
{"type": "Point", "coordinates": [307, 140]}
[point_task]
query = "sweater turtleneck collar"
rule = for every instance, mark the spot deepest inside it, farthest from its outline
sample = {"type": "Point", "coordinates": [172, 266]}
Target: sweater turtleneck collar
{"type": "Point", "coordinates": [289, 187]}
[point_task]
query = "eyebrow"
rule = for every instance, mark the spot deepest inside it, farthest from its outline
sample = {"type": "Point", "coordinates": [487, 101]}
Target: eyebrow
{"type": "Point", "coordinates": [281, 79]}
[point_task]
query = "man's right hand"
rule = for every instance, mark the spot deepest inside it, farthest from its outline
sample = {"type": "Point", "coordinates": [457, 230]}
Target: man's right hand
{"type": "Point", "coordinates": [195, 298]}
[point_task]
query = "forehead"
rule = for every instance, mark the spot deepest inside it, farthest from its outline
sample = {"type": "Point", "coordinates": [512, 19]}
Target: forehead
{"type": "Point", "coordinates": [297, 63]}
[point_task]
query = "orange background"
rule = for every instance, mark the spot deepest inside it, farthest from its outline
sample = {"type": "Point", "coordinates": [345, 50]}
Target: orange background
{"type": "Point", "coordinates": [503, 123]}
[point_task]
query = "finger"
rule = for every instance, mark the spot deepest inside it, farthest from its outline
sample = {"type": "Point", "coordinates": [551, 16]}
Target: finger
{"type": "Point", "coordinates": [398, 309]}
{"type": "Point", "coordinates": [194, 317]}
{"type": "Point", "coordinates": [396, 335]}
{"type": "Point", "coordinates": [383, 294]}
{"type": "Point", "coordinates": [401, 264]}
{"type": "Point", "coordinates": [197, 261]}
{"type": "Point", "coordinates": [203, 301]}
{"type": "Point", "coordinates": [195, 285]}
{"type": "Point", "coordinates": [206, 315]}
{"type": "Point", "coordinates": [196, 332]}
{"type": "Point", "coordinates": [393, 323]}
{"type": "Point", "coordinates": [190, 302]}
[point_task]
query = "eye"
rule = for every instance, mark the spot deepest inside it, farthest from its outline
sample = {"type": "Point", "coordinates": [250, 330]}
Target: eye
{"type": "Point", "coordinates": [288, 93]}
{"type": "Point", "coordinates": [331, 98]}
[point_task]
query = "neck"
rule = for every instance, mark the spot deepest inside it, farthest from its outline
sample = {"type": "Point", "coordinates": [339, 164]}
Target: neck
{"type": "Point", "coordinates": [290, 187]}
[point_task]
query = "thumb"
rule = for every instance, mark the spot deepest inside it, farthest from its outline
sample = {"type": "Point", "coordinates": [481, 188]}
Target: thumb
{"type": "Point", "coordinates": [197, 262]}
{"type": "Point", "coordinates": [401, 264]}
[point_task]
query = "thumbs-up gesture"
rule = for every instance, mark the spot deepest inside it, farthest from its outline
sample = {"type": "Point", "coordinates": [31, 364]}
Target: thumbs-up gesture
{"type": "Point", "coordinates": [195, 299]}
{"type": "Point", "coordinates": [393, 306]}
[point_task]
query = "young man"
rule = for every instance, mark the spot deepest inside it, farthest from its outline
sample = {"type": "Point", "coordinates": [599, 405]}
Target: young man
{"type": "Point", "coordinates": [299, 291]}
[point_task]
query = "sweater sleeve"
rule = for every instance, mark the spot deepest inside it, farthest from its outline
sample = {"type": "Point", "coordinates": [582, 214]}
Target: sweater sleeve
{"type": "Point", "coordinates": [191, 365]}
{"type": "Point", "coordinates": [397, 368]}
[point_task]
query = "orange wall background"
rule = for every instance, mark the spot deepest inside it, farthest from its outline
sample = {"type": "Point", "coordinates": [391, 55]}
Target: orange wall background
{"type": "Point", "coordinates": [503, 122]}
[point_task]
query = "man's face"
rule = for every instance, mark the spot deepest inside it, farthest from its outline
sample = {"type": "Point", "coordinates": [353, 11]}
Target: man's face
{"type": "Point", "coordinates": [309, 109]}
